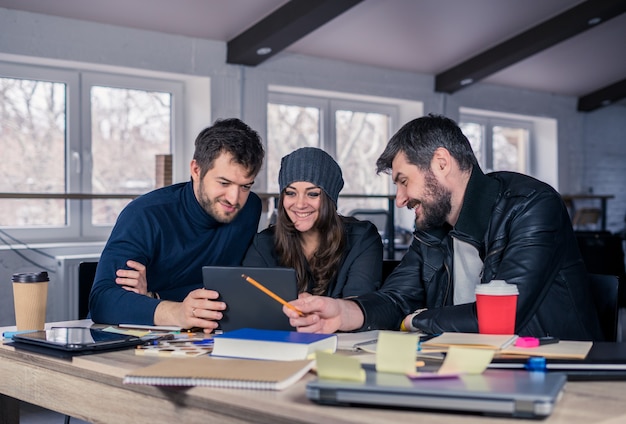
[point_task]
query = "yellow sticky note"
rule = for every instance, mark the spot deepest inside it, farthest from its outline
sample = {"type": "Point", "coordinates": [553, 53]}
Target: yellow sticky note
{"type": "Point", "coordinates": [338, 367]}
{"type": "Point", "coordinates": [395, 352]}
{"type": "Point", "coordinates": [462, 360]}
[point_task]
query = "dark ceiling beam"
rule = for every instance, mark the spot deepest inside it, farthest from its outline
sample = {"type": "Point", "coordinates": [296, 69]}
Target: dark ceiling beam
{"type": "Point", "coordinates": [568, 24]}
{"type": "Point", "coordinates": [282, 28]}
{"type": "Point", "coordinates": [602, 97]}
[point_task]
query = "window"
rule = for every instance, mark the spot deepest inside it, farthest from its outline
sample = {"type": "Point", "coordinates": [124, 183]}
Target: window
{"type": "Point", "coordinates": [71, 132]}
{"type": "Point", "coordinates": [499, 145]}
{"type": "Point", "coordinates": [354, 133]}
{"type": "Point", "coordinates": [291, 123]}
{"type": "Point", "coordinates": [33, 132]}
{"type": "Point", "coordinates": [523, 143]}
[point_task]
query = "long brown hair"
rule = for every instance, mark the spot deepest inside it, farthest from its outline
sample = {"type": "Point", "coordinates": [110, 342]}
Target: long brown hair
{"type": "Point", "coordinates": [326, 259]}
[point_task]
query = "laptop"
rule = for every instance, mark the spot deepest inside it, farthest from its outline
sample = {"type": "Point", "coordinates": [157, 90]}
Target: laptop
{"type": "Point", "coordinates": [605, 361]}
{"type": "Point", "coordinates": [76, 339]}
{"type": "Point", "coordinates": [246, 305]}
{"type": "Point", "coordinates": [510, 393]}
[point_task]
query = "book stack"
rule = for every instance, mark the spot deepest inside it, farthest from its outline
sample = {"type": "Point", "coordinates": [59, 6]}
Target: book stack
{"type": "Point", "coordinates": [278, 345]}
{"type": "Point", "coordinates": [504, 345]}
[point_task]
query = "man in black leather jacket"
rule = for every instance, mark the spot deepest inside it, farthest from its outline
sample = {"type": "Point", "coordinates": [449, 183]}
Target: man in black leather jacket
{"type": "Point", "coordinates": [470, 228]}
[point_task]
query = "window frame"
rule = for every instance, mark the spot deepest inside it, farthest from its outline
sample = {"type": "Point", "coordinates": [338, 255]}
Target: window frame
{"type": "Point", "coordinates": [90, 79]}
{"type": "Point", "coordinates": [362, 107]}
{"type": "Point", "coordinates": [327, 107]}
{"type": "Point", "coordinates": [78, 158]}
{"type": "Point", "coordinates": [489, 122]}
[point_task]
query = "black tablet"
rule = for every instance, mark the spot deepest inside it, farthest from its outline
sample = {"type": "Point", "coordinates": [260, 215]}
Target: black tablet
{"type": "Point", "coordinates": [77, 339]}
{"type": "Point", "coordinates": [246, 305]}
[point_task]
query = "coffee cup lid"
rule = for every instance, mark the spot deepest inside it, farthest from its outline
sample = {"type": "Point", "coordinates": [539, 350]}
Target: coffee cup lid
{"type": "Point", "coordinates": [497, 288]}
{"type": "Point", "coordinates": [30, 277]}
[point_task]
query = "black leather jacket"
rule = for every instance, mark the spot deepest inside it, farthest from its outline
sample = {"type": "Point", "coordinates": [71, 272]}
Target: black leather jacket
{"type": "Point", "coordinates": [524, 236]}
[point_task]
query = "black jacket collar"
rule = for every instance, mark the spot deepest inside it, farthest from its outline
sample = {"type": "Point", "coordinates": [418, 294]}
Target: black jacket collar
{"type": "Point", "coordinates": [480, 197]}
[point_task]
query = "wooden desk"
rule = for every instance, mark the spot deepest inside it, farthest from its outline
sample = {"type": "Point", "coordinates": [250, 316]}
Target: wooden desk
{"type": "Point", "coordinates": [90, 388]}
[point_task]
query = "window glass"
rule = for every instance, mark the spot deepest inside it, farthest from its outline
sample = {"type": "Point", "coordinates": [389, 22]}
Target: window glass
{"type": "Point", "coordinates": [355, 133]}
{"type": "Point", "coordinates": [33, 134]}
{"type": "Point", "coordinates": [71, 135]}
{"type": "Point", "coordinates": [361, 138]}
{"type": "Point", "coordinates": [509, 148]}
{"type": "Point", "coordinates": [129, 128]}
{"type": "Point", "coordinates": [475, 133]}
{"type": "Point", "coordinates": [289, 128]}
{"type": "Point", "coordinates": [499, 145]}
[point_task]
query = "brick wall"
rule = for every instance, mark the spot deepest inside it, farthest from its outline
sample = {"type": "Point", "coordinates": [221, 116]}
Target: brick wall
{"type": "Point", "coordinates": [604, 159]}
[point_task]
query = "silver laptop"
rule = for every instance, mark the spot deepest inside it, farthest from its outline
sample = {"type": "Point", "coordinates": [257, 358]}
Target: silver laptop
{"type": "Point", "coordinates": [247, 306]}
{"type": "Point", "coordinates": [495, 392]}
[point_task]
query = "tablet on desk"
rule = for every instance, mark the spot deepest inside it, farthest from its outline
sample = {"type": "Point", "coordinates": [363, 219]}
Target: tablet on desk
{"type": "Point", "coordinates": [247, 306]}
{"type": "Point", "coordinates": [77, 339]}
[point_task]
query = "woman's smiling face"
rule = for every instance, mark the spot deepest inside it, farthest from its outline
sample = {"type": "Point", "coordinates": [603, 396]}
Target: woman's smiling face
{"type": "Point", "coordinates": [302, 202]}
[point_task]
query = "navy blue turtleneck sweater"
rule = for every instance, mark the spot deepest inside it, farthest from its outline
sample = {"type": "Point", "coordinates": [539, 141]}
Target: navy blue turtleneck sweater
{"type": "Point", "coordinates": [168, 231]}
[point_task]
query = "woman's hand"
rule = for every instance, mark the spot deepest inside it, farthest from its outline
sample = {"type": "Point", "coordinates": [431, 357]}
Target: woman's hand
{"type": "Point", "coordinates": [133, 279]}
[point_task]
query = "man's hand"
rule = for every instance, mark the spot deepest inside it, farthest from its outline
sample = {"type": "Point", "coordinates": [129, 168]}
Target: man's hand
{"type": "Point", "coordinates": [199, 309]}
{"type": "Point", "coordinates": [324, 314]}
{"type": "Point", "coordinates": [133, 279]}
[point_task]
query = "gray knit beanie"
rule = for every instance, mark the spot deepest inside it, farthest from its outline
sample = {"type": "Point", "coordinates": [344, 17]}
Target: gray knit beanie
{"type": "Point", "coordinates": [312, 165]}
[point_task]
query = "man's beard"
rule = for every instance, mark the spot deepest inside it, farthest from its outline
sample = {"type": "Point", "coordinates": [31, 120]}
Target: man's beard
{"type": "Point", "coordinates": [213, 208]}
{"type": "Point", "coordinates": [433, 212]}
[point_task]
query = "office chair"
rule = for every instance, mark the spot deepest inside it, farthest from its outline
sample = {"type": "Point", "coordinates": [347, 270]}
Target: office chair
{"type": "Point", "coordinates": [378, 217]}
{"type": "Point", "coordinates": [604, 289]}
{"type": "Point", "coordinates": [388, 266]}
{"type": "Point", "coordinates": [86, 276]}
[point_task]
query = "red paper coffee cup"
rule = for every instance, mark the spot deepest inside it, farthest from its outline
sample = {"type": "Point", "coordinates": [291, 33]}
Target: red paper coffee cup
{"type": "Point", "coordinates": [496, 306]}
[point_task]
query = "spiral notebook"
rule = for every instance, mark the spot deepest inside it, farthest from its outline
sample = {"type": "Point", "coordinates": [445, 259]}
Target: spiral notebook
{"type": "Point", "coordinates": [219, 372]}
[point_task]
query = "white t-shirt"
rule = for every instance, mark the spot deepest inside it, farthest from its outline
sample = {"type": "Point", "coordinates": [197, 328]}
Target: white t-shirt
{"type": "Point", "coordinates": [467, 270]}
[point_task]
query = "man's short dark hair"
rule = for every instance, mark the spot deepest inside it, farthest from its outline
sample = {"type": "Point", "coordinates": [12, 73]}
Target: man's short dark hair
{"type": "Point", "coordinates": [229, 136]}
{"type": "Point", "coordinates": [419, 138]}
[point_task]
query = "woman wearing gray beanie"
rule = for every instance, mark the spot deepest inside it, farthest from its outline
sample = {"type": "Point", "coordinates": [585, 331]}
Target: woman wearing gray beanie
{"type": "Point", "coordinates": [333, 255]}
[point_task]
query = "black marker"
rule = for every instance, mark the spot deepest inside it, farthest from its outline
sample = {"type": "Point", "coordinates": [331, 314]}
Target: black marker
{"type": "Point", "coordinates": [547, 340]}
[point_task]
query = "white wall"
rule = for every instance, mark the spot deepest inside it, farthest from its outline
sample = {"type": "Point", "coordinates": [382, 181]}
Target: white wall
{"type": "Point", "coordinates": [242, 91]}
{"type": "Point", "coordinates": [591, 147]}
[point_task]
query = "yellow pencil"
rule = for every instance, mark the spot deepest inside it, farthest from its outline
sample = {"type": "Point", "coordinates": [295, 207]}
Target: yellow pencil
{"type": "Point", "coordinates": [271, 294]}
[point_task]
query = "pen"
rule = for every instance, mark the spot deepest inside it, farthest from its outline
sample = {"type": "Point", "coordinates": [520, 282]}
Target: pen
{"type": "Point", "coordinates": [547, 340]}
{"type": "Point", "coordinates": [154, 339]}
{"type": "Point", "coordinates": [10, 334]}
{"type": "Point", "coordinates": [424, 338]}
{"type": "Point", "coordinates": [271, 293]}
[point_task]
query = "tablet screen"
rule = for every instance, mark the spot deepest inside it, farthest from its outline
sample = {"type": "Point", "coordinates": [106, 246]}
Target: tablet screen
{"type": "Point", "coordinates": [77, 338]}
{"type": "Point", "coordinates": [246, 305]}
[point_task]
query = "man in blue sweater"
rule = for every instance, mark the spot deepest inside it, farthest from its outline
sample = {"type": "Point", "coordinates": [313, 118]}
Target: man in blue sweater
{"type": "Point", "coordinates": [162, 239]}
